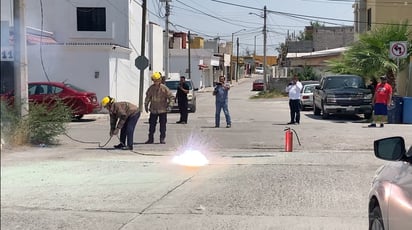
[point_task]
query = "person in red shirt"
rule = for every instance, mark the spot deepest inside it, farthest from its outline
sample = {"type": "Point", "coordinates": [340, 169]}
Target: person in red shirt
{"type": "Point", "coordinates": [381, 100]}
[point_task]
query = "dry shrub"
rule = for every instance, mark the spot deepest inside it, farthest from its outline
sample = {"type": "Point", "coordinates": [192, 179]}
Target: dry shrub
{"type": "Point", "coordinates": [41, 125]}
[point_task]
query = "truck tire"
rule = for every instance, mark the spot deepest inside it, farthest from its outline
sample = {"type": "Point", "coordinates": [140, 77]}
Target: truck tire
{"type": "Point", "coordinates": [316, 110]}
{"type": "Point", "coordinates": [367, 116]}
{"type": "Point", "coordinates": [325, 115]}
{"type": "Point", "coordinates": [193, 109]}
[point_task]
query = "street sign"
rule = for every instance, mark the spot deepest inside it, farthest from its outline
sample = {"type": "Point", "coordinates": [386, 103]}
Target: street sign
{"type": "Point", "coordinates": [398, 49]}
{"type": "Point", "coordinates": [141, 62]}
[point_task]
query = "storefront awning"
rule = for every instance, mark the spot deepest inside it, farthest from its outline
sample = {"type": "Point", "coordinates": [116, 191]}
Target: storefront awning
{"type": "Point", "coordinates": [37, 39]}
{"type": "Point", "coordinates": [33, 39]}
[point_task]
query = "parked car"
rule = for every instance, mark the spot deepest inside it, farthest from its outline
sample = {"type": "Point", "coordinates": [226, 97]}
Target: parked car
{"type": "Point", "coordinates": [172, 84]}
{"type": "Point", "coordinates": [309, 82]}
{"type": "Point", "coordinates": [259, 70]}
{"type": "Point", "coordinates": [258, 85]}
{"type": "Point", "coordinates": [80, 101]}
{"type": "Point", "coordinates": [306, 96]}
{"type": "Point", "coordinates": [390, 198]}
{"type": "Point", "coordinates": [342, 94]}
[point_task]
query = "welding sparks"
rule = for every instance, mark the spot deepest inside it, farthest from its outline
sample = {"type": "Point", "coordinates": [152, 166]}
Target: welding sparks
{"type": "Point", "coordinates": [191, 158]}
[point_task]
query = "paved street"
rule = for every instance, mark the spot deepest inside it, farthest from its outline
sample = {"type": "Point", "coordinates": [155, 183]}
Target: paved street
{"type": "Point", "coordinates": [250, 182]}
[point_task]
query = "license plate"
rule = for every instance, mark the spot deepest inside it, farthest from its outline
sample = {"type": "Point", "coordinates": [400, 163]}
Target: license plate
{"type": "Point", "coordinates": [350, 108]}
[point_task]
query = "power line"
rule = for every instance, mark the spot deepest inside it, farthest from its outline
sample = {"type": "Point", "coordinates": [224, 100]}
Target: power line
{"type": "Point", "coordinates": [302, 16]}
{"type": "Point", "coordinates": [207, 14]}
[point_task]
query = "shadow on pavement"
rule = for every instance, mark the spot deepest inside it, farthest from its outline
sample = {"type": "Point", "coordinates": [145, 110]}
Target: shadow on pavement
{"type": "Point", "coordinates": [83, 120]}
{"type": "Point", "coordinates": [340, 118]}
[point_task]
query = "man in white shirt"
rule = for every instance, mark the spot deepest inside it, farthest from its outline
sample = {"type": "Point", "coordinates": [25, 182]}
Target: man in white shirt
{"type": "Point", "coordinates": [294, 88]}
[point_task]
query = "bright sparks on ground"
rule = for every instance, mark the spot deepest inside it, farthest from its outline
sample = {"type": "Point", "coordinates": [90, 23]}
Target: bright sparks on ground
{"type": "Point", "coordinates": [191, 158]}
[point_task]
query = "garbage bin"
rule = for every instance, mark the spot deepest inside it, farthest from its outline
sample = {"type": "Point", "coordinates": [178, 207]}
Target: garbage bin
{"type": "Point", "coordinates": [395, 112]}
{"type": "Point", "coordinates": [407, 110]}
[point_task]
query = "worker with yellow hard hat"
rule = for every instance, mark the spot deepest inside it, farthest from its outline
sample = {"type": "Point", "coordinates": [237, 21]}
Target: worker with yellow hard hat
{"type": "Point", "coordinates": [123, 117]}
{"type": "Point", "coordinates": [159, 99]}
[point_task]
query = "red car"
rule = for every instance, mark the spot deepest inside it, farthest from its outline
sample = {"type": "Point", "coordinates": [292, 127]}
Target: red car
{"type": "Point", "coordinates": [80, 101]}
{"type": "Point", "coordinates": [257, 85]}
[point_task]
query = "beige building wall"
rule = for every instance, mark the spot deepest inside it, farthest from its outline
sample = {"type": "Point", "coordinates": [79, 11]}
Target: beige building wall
{"type": "Point", "coordinates": [404, 81]}
{"type": "Point", "coordinates": [387, 11]}
{"type": "Point", "coordinates": [371, 13]}
{"type": "Point", "coordinates": [379, 12]}
{"type": "Point", "coordinates": [409, 93]}
{"type": "Point", "coordinates": [197, 43]}
{"type": "Point", "coordinates": [270, 60]}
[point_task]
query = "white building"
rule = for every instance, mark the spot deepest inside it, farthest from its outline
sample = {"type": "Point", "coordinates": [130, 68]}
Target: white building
{"type": "Point", "coordinates": [91, 44]}
{"type": "Point", "coordinates": [155, 51]}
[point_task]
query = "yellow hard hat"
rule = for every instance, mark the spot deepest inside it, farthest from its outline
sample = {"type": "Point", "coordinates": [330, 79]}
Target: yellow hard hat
{"type": "Point", "coordinates": [106, 100]}
{"type": "Point", "coordinates": [156, 76]}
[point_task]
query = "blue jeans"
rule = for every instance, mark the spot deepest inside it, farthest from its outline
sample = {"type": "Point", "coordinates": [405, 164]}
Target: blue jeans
{"type": "Point", "coordinates": [219, 107]}
{"type": "Point", "coordinates": [126, 133]}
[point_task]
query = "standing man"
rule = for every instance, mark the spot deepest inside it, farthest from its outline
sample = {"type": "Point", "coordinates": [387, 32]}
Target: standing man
{"type": "Point", "coordinates": [294, 88]}
{"type": "Point", "coordinates": [221, 93]}
{"type": "Point", "coordinates": [123, 117]}
{"type": "Point", "coordinates": [381, 99]}
{"type": "Point", "coordinates": [159, 99]}
{"type": "Point", "coordinates": [372, 85]}
{"type": "Point", "coordinates": [182, 101]}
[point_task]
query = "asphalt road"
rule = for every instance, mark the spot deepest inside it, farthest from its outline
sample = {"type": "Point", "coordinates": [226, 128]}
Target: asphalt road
{"type": "Point", "coordinates": [249, 183]}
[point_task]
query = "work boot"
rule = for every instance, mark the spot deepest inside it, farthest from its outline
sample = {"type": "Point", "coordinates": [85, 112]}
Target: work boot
{"type": "Point", "coordinates": [119, 146]}
{"type": "Point", "coordinates": [127, 148]}
{"type": "Point", "coordinates": [149, 140]}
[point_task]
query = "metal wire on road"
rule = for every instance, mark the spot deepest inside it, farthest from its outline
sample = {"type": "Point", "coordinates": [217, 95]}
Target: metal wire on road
{"type": "Point", "coordinates": [88, 142]}
{"type": "Point", "coordinates": [102, 146]}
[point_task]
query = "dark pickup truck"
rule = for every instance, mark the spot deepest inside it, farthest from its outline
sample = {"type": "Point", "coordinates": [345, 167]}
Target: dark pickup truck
{"type": "Point", "coordinates": [342, 94]}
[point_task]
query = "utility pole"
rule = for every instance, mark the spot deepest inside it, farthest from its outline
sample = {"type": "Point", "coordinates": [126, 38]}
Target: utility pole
{"type": "Point", "coordinates": [166, 39]}
{"type": "Point", "coordinates": [189, 64]}
{"type": "Point", "coordinates": [237, 59]}
{"type": "Point", "coordinates": [20, 59]}
{"type": "Point", "coordinates": [231, 63]}
{"type": "Point", "coordinates": [142, 53]}
{"type": "Point", "coordinates": [264, 51]}
{"type": "Point", "coordinates": [231, 55]}
{"type": "Point", "coordinates": [254, 50]}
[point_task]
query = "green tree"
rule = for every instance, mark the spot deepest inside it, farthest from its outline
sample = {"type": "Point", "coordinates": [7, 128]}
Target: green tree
{"type": "Point", "coordinates": [282, 51]}
{"type": "Point", "coordinates": [369, 56]}
{"type": "Point", "coordinates": [308, 74]}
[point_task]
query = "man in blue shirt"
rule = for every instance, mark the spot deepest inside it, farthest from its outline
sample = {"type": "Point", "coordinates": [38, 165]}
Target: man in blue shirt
{"type": "Point", "coordinates": [221, 93]}
{"type": "Point", "coordinates": [293, 89]}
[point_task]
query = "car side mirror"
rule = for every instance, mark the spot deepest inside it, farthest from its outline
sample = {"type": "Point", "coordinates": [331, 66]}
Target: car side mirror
{"type": "Point", "coordinates": [390, 148]}
{"type": "Point", "coordinates": [317, 87]}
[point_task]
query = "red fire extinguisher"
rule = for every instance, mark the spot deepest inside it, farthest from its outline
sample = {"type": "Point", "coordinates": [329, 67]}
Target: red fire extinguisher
{"type": "Point", "coordinates": [289, 139]}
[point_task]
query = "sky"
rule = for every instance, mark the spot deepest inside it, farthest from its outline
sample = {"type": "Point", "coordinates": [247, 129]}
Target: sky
{"type": "Point", "coordinates": [244, 18]}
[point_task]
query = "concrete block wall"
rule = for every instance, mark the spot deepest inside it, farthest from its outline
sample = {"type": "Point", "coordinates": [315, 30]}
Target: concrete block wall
{"type": "Point", "coordinates": [332, 37]}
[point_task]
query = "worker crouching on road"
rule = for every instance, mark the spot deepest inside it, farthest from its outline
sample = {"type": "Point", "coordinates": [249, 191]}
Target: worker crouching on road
{"type": "Point", "coordinates": [123, 117]}
{"type": "Point", "coordinates": [159, 99]}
